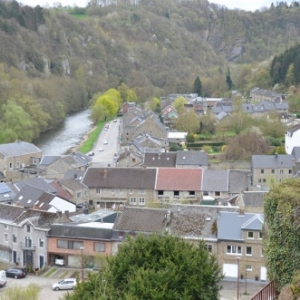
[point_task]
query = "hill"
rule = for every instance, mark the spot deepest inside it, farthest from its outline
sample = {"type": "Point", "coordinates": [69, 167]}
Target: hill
{"type": "Point", "coordinates": [51, 63]}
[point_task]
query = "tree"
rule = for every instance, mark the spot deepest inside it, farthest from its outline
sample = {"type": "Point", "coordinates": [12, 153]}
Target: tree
{"type": "Point", "coordinates": [198, 86]}
{"type": "Point", "coordinates": [229, 80]}
{"type": "Point", "coordinates": [282, 224]}
{"type": "Point", "coordinates": [245, 144]}
{"type": "Point", "coordinates": [155, 267]}
{"type": "Point", "coordinates": [187, 121]}
{"type": "Point", "coordinates": [179, 103]}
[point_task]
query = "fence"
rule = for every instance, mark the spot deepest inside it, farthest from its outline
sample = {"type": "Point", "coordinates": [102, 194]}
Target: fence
{"type": "Point", "coordinates": [267, 293]}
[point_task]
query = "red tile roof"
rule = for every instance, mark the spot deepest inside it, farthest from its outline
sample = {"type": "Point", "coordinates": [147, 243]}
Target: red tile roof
{"type": "Point", "coordinates": [172, 179]}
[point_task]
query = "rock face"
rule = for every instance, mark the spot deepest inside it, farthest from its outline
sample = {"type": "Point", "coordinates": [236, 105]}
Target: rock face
{"type": "Point", "coordinates": [66, 66]}
{"type": "Point", "coordinates": [236, 50]}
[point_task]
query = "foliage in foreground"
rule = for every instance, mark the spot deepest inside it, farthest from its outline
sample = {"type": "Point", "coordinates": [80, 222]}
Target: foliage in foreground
{"type": "Point", "coordinates": [31, 292]}
{"type": "Point", "coordinates": [155, 267]}
{"type": "Point", "coordinates": [282, 223]}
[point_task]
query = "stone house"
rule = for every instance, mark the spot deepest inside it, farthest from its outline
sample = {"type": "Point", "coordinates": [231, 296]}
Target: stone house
{"type": "Point", "coordinates": [79, 192]}
{"type": "Point", "coordinates": [24, 235]}
{"type": "Point", "coordinates": [258, 94]}
{"type": "Point", "coordinates": [268, 168]}
{"type": "Point", "coordinates": [292, 139]}
{"type": "Point", "coordinates": [17, 157]}
{"type": "Point", "coordinates": [178, 185]}
{"type": "Point", "coordinates": [240, 250]}
{"type": "Point", "coordinates": [113, 187]}
{"type": "Point", "coordinates": [129, 159]}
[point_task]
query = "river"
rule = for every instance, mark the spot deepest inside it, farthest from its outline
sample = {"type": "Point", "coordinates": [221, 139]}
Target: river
{"type": "Point", "coordinates": [67, 136]}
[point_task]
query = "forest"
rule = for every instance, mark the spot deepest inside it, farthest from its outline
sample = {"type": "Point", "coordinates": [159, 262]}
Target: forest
{"type": "Point", "coordinates": [54, 61]}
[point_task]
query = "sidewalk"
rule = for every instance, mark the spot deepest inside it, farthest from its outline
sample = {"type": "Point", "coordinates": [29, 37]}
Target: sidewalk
{"type": "Point", "coordinates": [247, 289]}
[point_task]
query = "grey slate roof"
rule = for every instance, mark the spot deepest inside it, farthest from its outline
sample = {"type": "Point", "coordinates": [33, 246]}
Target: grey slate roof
{"type": "Point", "coordinates": [79, 232]}
{"type": "Point", "coordinates": [247, 108]}
{"type": "Point", "coordinates": [167, 159]}
{"type": "Point", "coordinates": [192, 158]}
{"type": "Point", "coordinates": [296, 153]}
{"type": "Point", "coordinates": [38, 183]}
{"type": "Point", "coordinates": [18, 148]}
{"type": "Point", "coordinates": [215, 180]}
{"type": "Point", "coordinates": [220, 116]}
{"type": "Point", "coordinates": [231, 224]}
{"type": "Point", "coordinates": [74, 174]}
{"type": "Point", "coordinates": [121, 178]}
{"type": "Point", "coordinates": [294, 129]}
{"type": "Point", "coordinates": [81, 159]}
{"type": "Point", "coordinates": [239, 181]}
{"type": "Point", "coordinates": [28, 196]}
{"type": "Point", "coordinates": [272, 161]}
{"type": "Point", "coordinates": [71, 183]}
{"type": "Point", "coordinates": [47, 160]}
{"type": "Point", "coordinates": [254, 198]}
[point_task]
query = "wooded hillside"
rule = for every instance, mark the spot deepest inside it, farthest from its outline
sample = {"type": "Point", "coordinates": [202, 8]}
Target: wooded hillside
{"type": "Point", "coordinates": [52, 63]}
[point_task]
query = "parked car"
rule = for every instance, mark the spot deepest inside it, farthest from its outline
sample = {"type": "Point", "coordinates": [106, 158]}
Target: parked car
{"type": "Point", "coordinates": [24, 270]}
{"type": "Point", "coordinates": [100, 149]}
{"type": "Point", "coordinates": [105, 142]}
{"type": "Point", "coordinates": [15, 273]}
{"type": "Point", "coordinates": [65, 284]}
{"type": "Point", "coordinates": [91, 154]}
{"type": "Point", "coordinates": [2, 278]}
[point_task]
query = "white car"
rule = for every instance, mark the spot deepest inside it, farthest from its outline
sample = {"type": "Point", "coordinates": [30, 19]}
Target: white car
{"type": "Point", "coordinates": [105, 142]}
{"type": "Point", "coordinates": [100, 149]}
{"type": "Point", "coordinates": [65, 284]}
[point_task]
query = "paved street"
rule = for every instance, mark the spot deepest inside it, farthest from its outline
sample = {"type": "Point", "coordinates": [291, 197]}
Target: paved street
{"type": "Point", "coordinates": [229, 291]}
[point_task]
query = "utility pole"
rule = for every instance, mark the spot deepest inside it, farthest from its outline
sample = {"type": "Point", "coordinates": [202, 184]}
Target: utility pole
{"type": "Point", "coordinates": [238, 279]}
{"type": "Point", "coordinates": [82, 264]}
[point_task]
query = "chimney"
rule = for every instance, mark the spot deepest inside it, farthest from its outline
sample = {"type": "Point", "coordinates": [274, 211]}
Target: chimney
{"type": "Point", "coordinates": [58, 213]}
{"type": "Point", "coordinates": [105, 173]}
{"type": "Point", "coordinates": [67, 214]}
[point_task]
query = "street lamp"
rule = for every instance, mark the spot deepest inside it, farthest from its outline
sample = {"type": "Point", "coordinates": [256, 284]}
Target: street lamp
{"type": "Point", "coordinates": [238, 279]}
{"type": "Point", "coordinates": [82, 265]}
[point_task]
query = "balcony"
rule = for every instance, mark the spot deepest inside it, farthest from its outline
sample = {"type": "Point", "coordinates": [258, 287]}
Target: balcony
{"type": "Point", "coordinates": [27, 246]}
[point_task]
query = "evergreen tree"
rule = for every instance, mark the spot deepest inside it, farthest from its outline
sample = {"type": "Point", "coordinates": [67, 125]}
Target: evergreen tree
{"type": "Point", "coordinates": [229, 81]}
{"type": "Point", "coordinates": [198, 86]}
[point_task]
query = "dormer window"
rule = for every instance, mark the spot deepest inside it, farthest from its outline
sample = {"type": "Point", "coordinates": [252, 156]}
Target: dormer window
{"type": "Point", "coordinates": [27, 228]}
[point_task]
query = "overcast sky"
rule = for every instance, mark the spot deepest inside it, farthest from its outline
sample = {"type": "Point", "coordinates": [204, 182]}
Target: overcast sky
{"type": "Point", "coordinates": [251, 5]}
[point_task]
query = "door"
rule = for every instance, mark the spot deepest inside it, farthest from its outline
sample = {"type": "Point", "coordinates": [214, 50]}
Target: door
{"type": "Point", "coordinates": [263, 273]}
{"type": "Point", "coordinates": [41, 261]}
{"type": "Point", "coordinates": [15, 257]}
{"type": "Point", "coordinates": [230, 270]}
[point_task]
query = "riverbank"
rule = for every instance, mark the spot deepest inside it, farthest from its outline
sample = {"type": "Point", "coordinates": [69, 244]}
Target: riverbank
{"type": "Point", "coordinates": [88, 141]}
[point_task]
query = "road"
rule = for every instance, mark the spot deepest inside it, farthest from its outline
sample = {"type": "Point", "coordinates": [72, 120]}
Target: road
{"type": "Point", "coordinates": [106, 156]}
{"type": "Point", "coordinates": [44, 282]}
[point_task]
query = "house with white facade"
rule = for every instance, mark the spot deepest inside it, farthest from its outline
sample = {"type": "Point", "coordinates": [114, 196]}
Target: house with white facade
{"type": "Point", "coordinates": [292, 139]}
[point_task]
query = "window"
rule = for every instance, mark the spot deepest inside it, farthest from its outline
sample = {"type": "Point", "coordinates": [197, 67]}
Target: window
{"type": "Point", "coordinates": [192, 193]}
{"type": "Point", "coordinates": [264, 180]}
{"type": "Point", "coordinates": [262, 252]}
{"type": "Point", "coordinates": [217, 193]}
{"type": "Point", "coordinates": [273, 171]}
{"type": "Point", "coordinates": [5, 226]}
{"type": "Point", "coordinates": [18, 164]}
{"type": "Point", "coordinates": [10, 165]}
{"type": "Point", "coordinates": [249, 251]}
{"type": "Point", "coordinates": [14, 238]}
{"type": "Point", "coordinates": [27, 228]}
{"type": "Point", "coordinates": [248, 268]}
{"type": "Point", "coordinates": [142, 192]}
{"type": "Point", "coordinates": [290, 171]}
{"type": "Point", "coordinates": [28, 242]}
{"type": "Point", "coordinates": [176, 193]}
{"type": "Point", "coordinates": [250, 234]}
{"type": "Point", "coordinates": [69, 244]}
{"type": "Point", "coordinates": [259, 180]}
{"type": "Point", "coordinates": [41, 243]}
{"type": "Point", "coordinates": [78, 194]}
{"type": "Point", "coordinates": [208, 248]}
{"type": "Point", "coordinates": [98, 190]}
{"type": "Point", "coordinates": [260, 235]}
{"type": "Point", "coordinates": [281, 171]}
{"type": "Point", "coordinates": [6, 237]}
{"type": "Point", "coordinates": [205, 194]}
{"type": "Point", "coordinates": [141, 201]}
{"type": "Point", "coordinates": [133, 200]}
{"type": "Point", "coordinates": [160, 193]}
{"type": "Point", "coordinates": [234, 249]}
{"type": "Point", "coordinates": [130, 191]}
{"type": "Point", "coordinates": [133, 159]}
{"type": "Point", "coordinates": [262, 171]}
{"type": "Point", "coordinates": [99, 247]}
